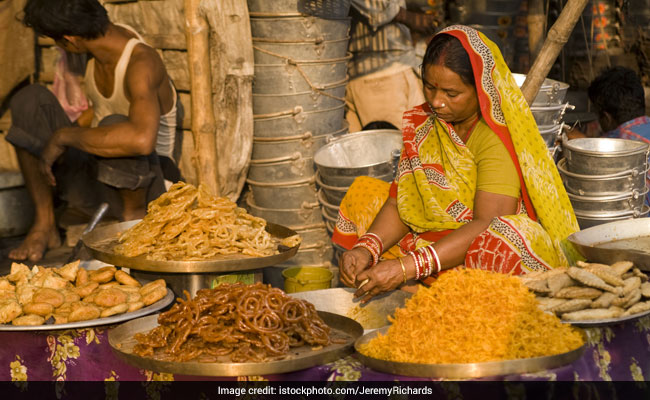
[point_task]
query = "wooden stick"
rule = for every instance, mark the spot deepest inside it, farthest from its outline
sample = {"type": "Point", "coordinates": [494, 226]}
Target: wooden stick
{"type": "Point", "coordinates": [536, 27]}
{"type": "Point", "coordinates": [557, 36]}
{"type": "Point", "coordinates": [203, 122]}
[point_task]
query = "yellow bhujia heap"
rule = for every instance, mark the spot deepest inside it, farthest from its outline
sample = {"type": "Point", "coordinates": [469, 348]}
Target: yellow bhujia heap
{"type": "Point", "coordinates": [470, 316]}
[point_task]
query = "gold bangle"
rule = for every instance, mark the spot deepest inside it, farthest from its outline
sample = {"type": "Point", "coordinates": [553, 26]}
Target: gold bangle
{"type": "Point", "coordinates": [403, 268]}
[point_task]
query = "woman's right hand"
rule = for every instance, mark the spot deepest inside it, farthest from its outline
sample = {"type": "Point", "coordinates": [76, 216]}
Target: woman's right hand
{"type": "Point", "coordinates": [352, 263]}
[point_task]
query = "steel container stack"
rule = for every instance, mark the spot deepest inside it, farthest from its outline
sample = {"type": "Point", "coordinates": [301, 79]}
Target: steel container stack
{"type": "Point", "coordinates": [605, 179]}
{"type": "Point", "coordinates": [300, 50]}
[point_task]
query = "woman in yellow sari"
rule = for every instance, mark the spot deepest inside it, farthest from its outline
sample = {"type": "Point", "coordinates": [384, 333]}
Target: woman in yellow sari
{"type": "Point", "coordinates": [475, 183]}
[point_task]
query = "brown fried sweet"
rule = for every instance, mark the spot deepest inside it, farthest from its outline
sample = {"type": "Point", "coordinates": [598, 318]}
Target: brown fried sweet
{"type": "Point", "coordinates": [110, 297]}
{"type": "Point", "coordinates": [134, 306]}
{"type": "Point", "coordinates": [69, 271]}
{"type": "Point", "coordinates": [152, 286]}
{"type": "Point", "coordinates": [102, 275]}
{"type": "Point", "coordinates": [82, 277]}
{"type": "Point", "coordinates": [9, 309]}
{"type": "Point", "coordinates": [118, 309]}
{"type": "Point", "coordinates": [126, 279]}
{"type": "Point", "coordinates": [41, 309]}
{"type": "Point", "coordinates": [86, 289]}
{"type": "Point", "coordinates": [48, 295]}
{"type": "Point", "coordinates": [82, 311]}
{"type": "Point", "coordinates": [6, 285]}
{"type": "Point", "coordinates": [29, 320]}
{"type": "Point", "coordinates": [154, 295]}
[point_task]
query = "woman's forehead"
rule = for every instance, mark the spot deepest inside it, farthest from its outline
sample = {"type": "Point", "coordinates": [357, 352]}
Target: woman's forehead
{"type": "Point", "coordinates": [440, 76]}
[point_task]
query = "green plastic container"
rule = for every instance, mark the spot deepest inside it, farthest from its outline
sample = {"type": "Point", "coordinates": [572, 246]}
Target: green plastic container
{"type": "Point", "coordinates": [302, 279]}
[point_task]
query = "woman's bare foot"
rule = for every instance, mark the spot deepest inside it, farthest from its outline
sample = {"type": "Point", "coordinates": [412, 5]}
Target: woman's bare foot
{"type": "Point", "coordinates": [35, 244]}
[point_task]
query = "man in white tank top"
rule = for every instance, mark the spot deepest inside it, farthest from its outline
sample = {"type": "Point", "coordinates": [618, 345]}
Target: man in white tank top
{"type": "Point", "coordinates": [110, 156]}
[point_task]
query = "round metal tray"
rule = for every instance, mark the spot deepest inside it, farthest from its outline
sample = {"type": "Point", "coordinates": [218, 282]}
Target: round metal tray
{"type": "Point", "coordinates": [468, 370]}
{"type": "Point", "coordinates": [604, 322]}
{"type": "Point", "coordinates": [102, 240]}
{"type": "Point", "coordinates": [157, 306]}
{"type": "Point", "coordinates": [122, 342]}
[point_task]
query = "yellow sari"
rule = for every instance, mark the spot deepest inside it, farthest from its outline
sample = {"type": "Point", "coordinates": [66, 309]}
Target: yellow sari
{"type": "Point", "coordinates": [436, 180]}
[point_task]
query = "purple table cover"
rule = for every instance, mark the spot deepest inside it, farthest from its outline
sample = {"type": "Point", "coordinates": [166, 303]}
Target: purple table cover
{"type": "Point", "coordinates": [617, 352]}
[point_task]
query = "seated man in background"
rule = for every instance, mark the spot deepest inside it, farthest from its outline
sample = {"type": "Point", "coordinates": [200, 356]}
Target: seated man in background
{"type": "Point", "coordinates": [618, 96]}
{"type": "Point", "coordinates": [383, 80]}
{"type": "Point", "coordinates": [111, 152]}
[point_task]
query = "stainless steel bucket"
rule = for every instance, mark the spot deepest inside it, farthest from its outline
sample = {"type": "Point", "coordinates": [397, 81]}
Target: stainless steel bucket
{"type": "Point", "coordinates": [305, 216]}
{"type": "Point", "coordinates": [265, 52]}
{"type": "Point", "coordinates": [282, 195]}
{"type": "Point", "coordinates": [296, 29]}
{"type": "Point", "coordinates": [368, 153]}
{"type": "Point", "coordinates": [16, 207]}
{"type": "Point", "coordinates": [299, 77]}
{"type": "Point", "coordinates": [332, 194]}
{"type": "Point", "coordinates": [288, 168]}
{"type": "Point", "coordinates": [589, 219]}
{"type": "Point", "coordinates": [300, 121]}
{"type": "Point", "coordinates": [631, 201]}
{"type": "Point", "coordinates": [319, 8]}
{"type": "Point", "coordinates": [305, 144]}
{"type": "Point", "coordinates": [549, 115]}
{"type": "Point", "coordinates": [310, 100]}
{"type": "Point", "coordinates": [602, 185]}
{"type": "Point", "coordinates": [602, 156]}
{"type": "Point", "coordinates": [332, 210]}
{"type": "Point", "coordinates": [551, 92]}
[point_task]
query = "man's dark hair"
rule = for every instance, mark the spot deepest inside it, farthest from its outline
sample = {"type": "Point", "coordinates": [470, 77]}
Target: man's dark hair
{"type": "Point", "coordinates": [55, 18]}
{"type": "Point", "coordinates": [619, 92]}
{"type": "Point", "coordinates": [449, 52]}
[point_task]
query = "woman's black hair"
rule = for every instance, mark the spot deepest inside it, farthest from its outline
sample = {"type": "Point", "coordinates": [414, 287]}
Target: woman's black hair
{"type": "Point", "coordinates": [446, 50]}
{"type": "Point", "coordinates": [55, 18]}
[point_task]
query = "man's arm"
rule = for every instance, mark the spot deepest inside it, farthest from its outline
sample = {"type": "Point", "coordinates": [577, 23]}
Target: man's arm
{"type": "Point", "coordinates": [137, 136]}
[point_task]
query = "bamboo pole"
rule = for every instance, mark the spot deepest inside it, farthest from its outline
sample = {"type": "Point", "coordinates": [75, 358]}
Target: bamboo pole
{"type": "Point", "coordinates": [536, 22]}
{"type": "Point", "coordinates": [558, 35]}
{"type": "Point", "coordinates": [203, 121]}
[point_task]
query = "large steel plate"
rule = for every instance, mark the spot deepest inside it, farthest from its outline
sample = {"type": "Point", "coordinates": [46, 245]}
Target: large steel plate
{"type": "Point", "coordinates": [616, 241]}
{"type": "Point", "coordinates": [122, 342]}
{"type": "Point", "coordinates": [102, 240]}
{"type": "Point", "coordinates": [467, 370]}
{"type": "Point", "coordinates": [609, 321]}
{"type": "Point", "coordinates": [157, 306]}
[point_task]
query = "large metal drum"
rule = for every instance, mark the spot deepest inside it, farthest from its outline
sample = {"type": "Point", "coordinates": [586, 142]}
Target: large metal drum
{"type": "Point", "coordinates": [602, 156]}
{"type": "Point", "coordinates": [282, 195]}
{"type": "Point", "coordinates": [300, 121]}
{"type": "Point", "coordinates": [319, 8]}
{"type": "Point", "coordinates": [549, 115]}
{"type": "Point", "coordinates": [299, 77]}
{"type": "Point", "coordinates": [16, 207]}
{"type": "Point", "coordinates": [622, 202]}
{"type": "Point", "coordinates": [305, 144]}
{"type": "Point", "coordinates": [367, 153]}
{"type": "Point", "coordinates": [295, 29]}
{"type": "Point", "coordinates": [588, 219]}
{"type": "Point", "coordinates": [307, 215]}
{"type": "Point", "coordinates": [265, 52]}
{"type": "Point", "coordinates": [289, 168]}
{"type": "Point", "coordinates": [309, 100]}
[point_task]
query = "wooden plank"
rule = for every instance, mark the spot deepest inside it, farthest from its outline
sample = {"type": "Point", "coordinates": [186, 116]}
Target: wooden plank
{"type": "Point", "coordinates": [186, 102]}
{"type": "Point", "coordinates": [47, 67]}
{"type": "Point", "coordinates": [176, 63]}
{"type": "Point", "coordinates": [152, 19]}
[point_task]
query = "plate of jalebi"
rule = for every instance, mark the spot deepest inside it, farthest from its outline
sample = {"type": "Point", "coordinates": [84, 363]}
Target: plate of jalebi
{"type": "Point", "coordinates": [188, 230]}
{"type": "Point", "coordinates": [234, 330]}
{"type": "Point", "coordinates": [470, 324]}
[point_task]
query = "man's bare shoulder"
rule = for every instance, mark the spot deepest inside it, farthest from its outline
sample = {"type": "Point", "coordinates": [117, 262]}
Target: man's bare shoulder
{"type": "Point", "coordinates": [146, 60]}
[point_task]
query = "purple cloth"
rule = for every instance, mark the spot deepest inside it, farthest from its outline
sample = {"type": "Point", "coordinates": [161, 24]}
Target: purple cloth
{"type": "Point", "coordinates": [617, 352]}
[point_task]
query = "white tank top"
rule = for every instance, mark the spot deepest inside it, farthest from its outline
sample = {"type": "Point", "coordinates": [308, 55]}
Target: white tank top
{"type": "Point", "coordinates": [119, 104]}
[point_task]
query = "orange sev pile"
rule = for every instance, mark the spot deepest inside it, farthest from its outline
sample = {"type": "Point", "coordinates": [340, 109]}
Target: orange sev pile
{"type": "Point", "coordinates": [470, 316]}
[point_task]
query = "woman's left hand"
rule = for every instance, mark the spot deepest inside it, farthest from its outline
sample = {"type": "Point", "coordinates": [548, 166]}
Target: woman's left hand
{"type": "Point", "coordinates": [383, 277]}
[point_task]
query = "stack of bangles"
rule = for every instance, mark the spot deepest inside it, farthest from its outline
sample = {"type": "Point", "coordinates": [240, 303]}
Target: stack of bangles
{"type": "Point", "coordinates": [373, 244]}
{"type": "Point", "coordinates": [425, 258]}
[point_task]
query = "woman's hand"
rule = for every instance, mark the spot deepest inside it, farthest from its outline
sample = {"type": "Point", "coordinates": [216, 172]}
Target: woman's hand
{"type": "Point", "coordinates": [352, 263]}
{"type": "Point", "coordinates": [383, 277]}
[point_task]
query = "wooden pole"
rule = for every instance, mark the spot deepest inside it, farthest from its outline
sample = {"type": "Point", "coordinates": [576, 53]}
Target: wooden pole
{"type": "Point", "coordinates": [231, 47]}
{"type": "Point", "coordinates": [558, 35]}
{"type": "Point", "coordinates": [536, 22]}
{"type": "Point", "coordinates": [203, 121]}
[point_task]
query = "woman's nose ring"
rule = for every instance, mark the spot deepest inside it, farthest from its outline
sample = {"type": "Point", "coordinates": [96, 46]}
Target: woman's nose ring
{"type": "Point", "coordinates": [442, 105]}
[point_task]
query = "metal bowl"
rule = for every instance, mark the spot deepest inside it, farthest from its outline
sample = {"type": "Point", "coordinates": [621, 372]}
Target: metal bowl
{"type": "Point", "coordinates": [552, 92]}
{"type": "Point", "coordinates": [550, 133]}
{"type": "Point", "coordinates": [368, 153]}
{"type": "Point", "coordinates": [601, 185]}
{"type": "Point", "coordinates": [622, 202]}
{"type": "Point", "coordinates": [549, 115]}
{"type": "Point", "coordinates": [601, 156]}
{"type": "Point", "coordinates": [590, 219]}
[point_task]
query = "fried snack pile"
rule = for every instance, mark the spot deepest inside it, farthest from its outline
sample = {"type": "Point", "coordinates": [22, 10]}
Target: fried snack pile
{"type": "Point", "coordinates": [189, 224]}
{"type": "Point", "coordinates": [471, 316]}
{"type": "Point", "coordinates": [591, 291]}
{"type": "Point", "coordinates": [71, 294]}
{"type": "Point", "coordinates": [245, 323]}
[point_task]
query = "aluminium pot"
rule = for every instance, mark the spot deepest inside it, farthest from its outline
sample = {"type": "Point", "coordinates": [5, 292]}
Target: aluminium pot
{"type": "Point", "coordinates": [304, 143]}
{"type": "Point", "coordinates": [282, 195]}
{"type": "Point", "coordinates": [551, 92]}
{"type": "Point", "coordinates": [299, 121]}
{"type": "Point", "coordinates": [589, 219]}
{"type": "Point", "coordinates": [602, 185]}
{"type": "Point", "coordinates": [631, 202]}
{"type": "Point", "coordinates": [286, 8]}
{"type": "Point", "coordinates": [303, 217]}
{"type": "Point", "coordinates": [602, 156]}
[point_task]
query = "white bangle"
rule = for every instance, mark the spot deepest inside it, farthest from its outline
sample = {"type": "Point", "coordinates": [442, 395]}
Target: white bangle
{"type": "Point", "coordinates": [435, 254]}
